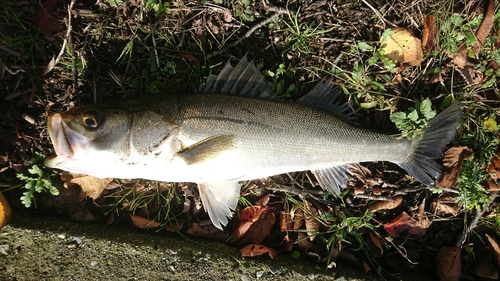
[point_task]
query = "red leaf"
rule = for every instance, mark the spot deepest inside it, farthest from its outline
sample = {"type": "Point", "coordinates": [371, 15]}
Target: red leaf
{"type": "Point", "coordinates": [254, 250]}
{"type": "Point", "coordinates": [248, 216]}
{"type": "Point", "coordinates": [400, 224]}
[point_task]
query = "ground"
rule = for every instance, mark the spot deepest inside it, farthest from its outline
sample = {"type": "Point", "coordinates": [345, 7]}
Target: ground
{"type": "Point", "coordinates": [398, 64]}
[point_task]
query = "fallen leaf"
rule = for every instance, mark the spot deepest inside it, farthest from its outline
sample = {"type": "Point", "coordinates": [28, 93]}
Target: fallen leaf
{"type": "Point", "coordinates": [91, 186]}
{"type": "Point", "coordinates": [403, 48]}
{"type": "Point", "coordinates": [143, 223]}
{"type": "Point", "coordinates": [485, 27]}
{"type": "Point", "coordinates": [311, 220]}
{"type": "Point", "coordinates": [248, 216]}
{"type": "Point", "coordinates": [429, 33]}
{"type": "Point", "coordinates": [445, 204]}
{"type": "Point", "coordinates": [400, 224]}
{"type": "Point", "coordinates": [5, 211]}
{"type": "Point", "coordinates": [486, 270]}
{"type": "Point", "coordinates": [460, 58]}
{"type": "Point", "coordinates": [495, 247]}
{"type": "Point", "coordinates": [375, 247]}
{"type": "Point", "coordinates": [255, 250]}
{"type": "Point", "coordinates": [423, 222]}
{"type": "Point", "coordinates": [174, 227]}
{"type": "Point", "coordinates": [207, 231]}
{"type": "Point", "coordinates": [386, 205]}
{"type": "Point", "coordinates": [285, 220]}
{"type": "Point", "coordinates": [452, 163]}
{"type": "Point", "coordinates": [47, 19]}
{"type": "Point", "coordinates": [264, 200]}
{"type": "Point", "coordinates": [449, 267]}
{"type": "Point", "coordinates": [259, 229]}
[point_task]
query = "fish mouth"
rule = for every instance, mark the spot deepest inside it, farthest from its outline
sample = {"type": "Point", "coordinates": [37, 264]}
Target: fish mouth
{"type": "Point", "coordinates": [66, 142]}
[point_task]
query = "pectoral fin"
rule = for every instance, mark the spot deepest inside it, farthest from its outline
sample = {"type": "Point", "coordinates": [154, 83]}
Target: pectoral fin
{"type": "Point", "coordinates": [207, 149]}
{"type": "Point", "coordinates": [332, 178]}
{"type": "Point", "coordinates": [219, 199]}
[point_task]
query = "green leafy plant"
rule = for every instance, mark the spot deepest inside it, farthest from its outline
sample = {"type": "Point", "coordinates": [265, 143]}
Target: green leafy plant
{"type": "Point", "coordinates": [379, 53]}
{"type": "Point", "coordinates": [39, 181]}
{"type": "Point", "coordinates": [472, 195]}
{"type": "Point", "coordinates": [159, 6]}
{"type": "Point", "coordinates": [278, 83]}
{"type": "Point", "coordinates": [242, 9]}
{"type": "Point", "coordinates": [413, 121]}
{"type": "Point", "coordinates": [153, 78]}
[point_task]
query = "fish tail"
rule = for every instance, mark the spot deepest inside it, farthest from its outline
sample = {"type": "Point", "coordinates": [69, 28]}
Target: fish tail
{"type": "Point", "coordinates": [420, 163]}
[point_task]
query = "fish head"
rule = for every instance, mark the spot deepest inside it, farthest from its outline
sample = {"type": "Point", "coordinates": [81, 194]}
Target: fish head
{"type": "Point", "coordinates": [88, 137]}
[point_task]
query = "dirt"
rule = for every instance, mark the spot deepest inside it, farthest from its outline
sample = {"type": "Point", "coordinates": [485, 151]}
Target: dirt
{"type": "Point", "coordinates": [37, 247]}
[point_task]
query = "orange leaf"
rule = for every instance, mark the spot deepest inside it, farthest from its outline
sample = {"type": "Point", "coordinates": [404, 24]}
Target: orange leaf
{"type": "Point", "coordinates": [400, 224]}
{"type": "Point", "coordinates": [5, 211]}
{"type": "Point", "coordinates": [386, 205]}
{"type": "Point", "coordinates": [429, 33]}
{"type": "Point", "coordinates": [259, 229]}
{"type": "Point", "coordinates": [495, 248]}
{"type": "Point", "coordinates": [403, 48]}
{"type": "Point", "coordinates": [449, 266]}
{"type": "Point", "coordinates": [255, 250]}
{"type": "Point", "coordinates": [143, 223]}
{"type": "Point", "coordinates": [248, 216]}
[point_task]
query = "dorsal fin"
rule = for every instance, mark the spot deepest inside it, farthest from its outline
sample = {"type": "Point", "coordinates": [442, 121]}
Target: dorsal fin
{"type": "Point", "coordinates": [324, 96]}
{"type": "Point", "coordinates": [243, 80]}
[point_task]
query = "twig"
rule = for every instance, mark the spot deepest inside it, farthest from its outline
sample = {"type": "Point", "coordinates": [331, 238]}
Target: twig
{"type": "Point", "coordinates": [379, 15]}
{"type": "Point", "coordinates": [278, 11]}
{"type": "Point", "coordinates": [461, 239]}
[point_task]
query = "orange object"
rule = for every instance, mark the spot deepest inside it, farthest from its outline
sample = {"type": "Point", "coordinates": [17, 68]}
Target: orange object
{"type": "Point", "coordinates": [5, 211]}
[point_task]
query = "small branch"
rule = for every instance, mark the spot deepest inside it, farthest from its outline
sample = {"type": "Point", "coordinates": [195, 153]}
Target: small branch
{"type": "Point", "coordinates": [379, 15]}
{"type": "Point", "coordinates": [278, 11]}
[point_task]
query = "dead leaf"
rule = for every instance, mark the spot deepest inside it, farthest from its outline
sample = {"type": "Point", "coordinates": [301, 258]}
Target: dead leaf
{"type": "Point", "coordinates": [264, 200]}
{"type": "Point", "coordinates": [285, 220]}
{"type": "Point", "coordinates": [143, 223]}
{"type": "Point", "coordinates": [429, 33]}
{"type": "Point", "coordinates": [5, 211]}
{"type": "Point", "coordinates": [91, 186]}
{"type": "Point", "coordinates": [485, 27]}
{"type": "Point", "coordinates": [403, 48]}
{"type": "Point", "coordinates": [228, 16]}
{"type": "Point", "coordinates": [47, 19]}
{"type": "Point", "coordinates": [495, 248]}
{"type": "Point", "coordinates": [386, 205]}
{"type": "Point", "coordinates": [255, 250]}
{"type": "Point", "coordinates": [486, 270]}
{"type": "Point", "coordinates": [174, 227]}
{"type": "Point", "coordinates": [376, 249]}
{"type": "Point", "coordinates": [460, 58]}
{"type": "Point", "coordinates": [207, 231]}
{"type": "Point", "coordinates": [423, 222]}
{"type": "Point", "coordinates": [248, 216]}
{"type": "Point", "coordinates": [452, 163]}
{"type": "Point", "coordinates": [311, 220]}
{"type": "Point", "coordinates": [445, 204]}
{"type": "Point", "coordinates": [449, 267]}
{"type": "Point", "coordinates": [400, 224]}
{"type": "Point", "coordinates": [261, 228]}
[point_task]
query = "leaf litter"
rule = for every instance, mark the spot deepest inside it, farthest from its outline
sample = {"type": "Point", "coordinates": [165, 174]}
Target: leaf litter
{"type": "Point", "coordinates": [272, 223]}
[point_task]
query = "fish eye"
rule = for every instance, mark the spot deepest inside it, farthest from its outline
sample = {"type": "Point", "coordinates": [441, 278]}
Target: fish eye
{"type": "Point", "coordinates": [91, 120]}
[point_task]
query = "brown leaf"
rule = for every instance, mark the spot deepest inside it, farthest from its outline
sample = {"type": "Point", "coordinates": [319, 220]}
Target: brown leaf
{"type": "Point", "coordinates": [376, 249]}
{"type": "Point", "coordinates": [452, 162]}
{"type": "Point", "coordinates": [423, 222]}
{"type": "Point", "coordinates": [207, 231]}
{"type": "Point", "coordinates": [400, 224]}
{"type": "Point", "coordinates": [264, 200]}
{"type": "Point", "coordinates": [445, 204]}
{"type": "Point", "coordinates": [255, 250]}
{"type": "Point", "coordinates": [485, 27]}
{"type": "Point", "coordinates": [487, 270]}
{"type": "Point", "coordinates": [260, 229]}
{"type": "Point", "coordinates": [386, 205]}
{"type": "Point", "coordinates": [403, 48]}
{"type": "Point", "coordinates": [5, 211]}
{"type": "Point", "coordinates": [248, 216]}
{"type": "Point", "coordinates": [495, 248]}
{"type": "Point", "coordinates": [460, 58]}
{"type": "Point", "coordinates": [91, 186]}
{"type": "Point", "coordinates": [47, 19]}
{"type": "Point", "coordinates": [285, 221]}
{"type": "Point", "coordinates": [311, 219]}
{"type": "Point", "coordinates": [449, 266]}
{"type": "Point", "coordinates": [143, 223]}
{"type": "Point", "coordinates": [429, 33]}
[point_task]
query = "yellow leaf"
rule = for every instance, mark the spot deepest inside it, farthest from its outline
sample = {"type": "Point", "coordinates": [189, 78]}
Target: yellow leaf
{"type": "Point", "coordinates": [5, 211]}
{"type": "Point", "coordinates": [403, 48]}
{"type": "Point", "coordinates": [91, 186]}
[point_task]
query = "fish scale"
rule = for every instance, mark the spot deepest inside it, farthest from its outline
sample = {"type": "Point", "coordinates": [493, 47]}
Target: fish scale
{"type": "Point", "coordinates": [234, 128]}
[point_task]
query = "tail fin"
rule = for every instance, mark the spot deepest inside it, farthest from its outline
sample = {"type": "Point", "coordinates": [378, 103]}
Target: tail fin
{"type": "Point", "coordinates": [420, 163]}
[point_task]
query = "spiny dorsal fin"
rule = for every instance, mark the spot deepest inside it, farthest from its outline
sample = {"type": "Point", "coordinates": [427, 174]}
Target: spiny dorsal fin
{"type": "Point", "coordinates": [324, 96]}
{"type": "Point", "coordinates": [243, 80]}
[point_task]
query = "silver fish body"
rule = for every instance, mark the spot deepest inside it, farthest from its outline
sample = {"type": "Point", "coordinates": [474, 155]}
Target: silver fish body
{"type": "Point", "coordinates": [217, 139]}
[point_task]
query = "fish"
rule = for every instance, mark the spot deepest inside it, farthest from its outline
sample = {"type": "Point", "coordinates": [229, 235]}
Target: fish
{"type": "Point", "coordinates": [234, 128]}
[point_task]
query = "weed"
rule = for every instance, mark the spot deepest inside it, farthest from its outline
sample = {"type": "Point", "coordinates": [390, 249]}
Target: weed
{"type": "Point", "coordinates": [242, 9]}
{"type": "Point", "coordinates": [41, 182]}
{"type": "Point", "coordinates": [473, 195]}
{"type": "Point", "coordinates": [413, 122]}
{"type": "Point", "coordinates": [153, 79]}
{"type": "Point", "coordinates": [278, 82]}
{"type": "Point", "coordinates": [159, 6]}
{"type": "Point", "coordinates": [301, 34]}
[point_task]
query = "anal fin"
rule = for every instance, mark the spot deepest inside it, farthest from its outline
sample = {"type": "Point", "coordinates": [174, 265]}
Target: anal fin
{"type": "Point", "coordinates": [332, 178]}
{"type": "Point", "coordinates": [219, 199]}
